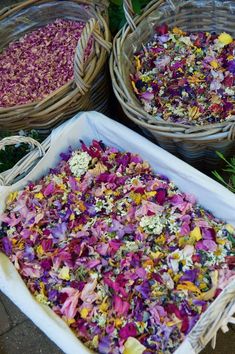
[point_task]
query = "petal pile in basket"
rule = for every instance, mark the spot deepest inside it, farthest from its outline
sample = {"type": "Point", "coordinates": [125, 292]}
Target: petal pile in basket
{"type": "Point", "coordinates": [118, 251]}
{"type": "Point", "coordinates": [57, 53]}
{"type": "Point", "coordinates": [186, 77]}
{"type": "Point", "coordinates": [39, 62]}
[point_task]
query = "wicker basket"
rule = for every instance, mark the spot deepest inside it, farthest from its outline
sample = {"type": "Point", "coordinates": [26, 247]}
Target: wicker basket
{"type": "Point", "coordinates": [222, 310]}
{"type": "Point", "coordinates": [196, 145]}
{"type": "Point", "coordinates": [89, 90]}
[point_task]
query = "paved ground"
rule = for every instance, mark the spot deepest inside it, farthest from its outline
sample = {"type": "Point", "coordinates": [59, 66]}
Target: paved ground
{"type": "Point", "coordinates": [18, 335]}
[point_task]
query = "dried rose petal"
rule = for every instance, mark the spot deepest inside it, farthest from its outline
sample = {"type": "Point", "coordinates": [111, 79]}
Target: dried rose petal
{"type": "Point", "coordinates": [39, 63]}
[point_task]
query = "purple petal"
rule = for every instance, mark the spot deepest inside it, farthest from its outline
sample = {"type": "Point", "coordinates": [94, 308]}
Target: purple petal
{"type": "Point", "coordinates": [49, 189]}
{"type": "Point", "coordinates": [190, 275]}
{"type": "Point", "coordinates": [208, 234]}
{"type": "Point", "coordinates": [148, 96]}
{"type": "Point", "coordinates": [7, 246]}
{"type": "Point", "coordinates": [206, 245]}
{"type": "Point", "coordinates": [105, 345]}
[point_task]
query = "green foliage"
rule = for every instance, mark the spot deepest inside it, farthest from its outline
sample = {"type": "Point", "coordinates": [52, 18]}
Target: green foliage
{"type": "Point", "coordinates": [230, 172]}
{"type": "Point", "coordinates": [12, 154]}
{"type": "Point", "coordinates": [116, 13]}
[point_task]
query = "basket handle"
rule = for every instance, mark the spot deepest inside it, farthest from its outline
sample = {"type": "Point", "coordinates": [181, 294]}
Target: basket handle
{"type": "Point", "coordinates": [6, 11]}
{"type": "Point", "coordinates": [224, 326]}
{"type": "Point", "coordinates": [217, 318]}
{"type": "Point", "coordinates": [81, 65]}
{"type": "Point", "coordinates": [130, 15]}
{"type": "Point", "coordinates": [7, 177]}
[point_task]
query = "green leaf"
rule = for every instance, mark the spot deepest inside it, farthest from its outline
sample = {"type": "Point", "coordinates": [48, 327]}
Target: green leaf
{"type": "Point", "coordinates": [233, 161]}
{"type": "Point", "coordinates": [232, 170]}
{"type": "Point", "coordinates": [136, 6]}
{"type": "Point", "coordinates": [221, 156]}
{"type": "Point", "coordinates": [220, 178]}
{"type": "Point", "coordinates": [117, 2]}
{"type": "Point", "coordinates": [231, 239]}
{"type": "Point", "coordinates": [233, 180]}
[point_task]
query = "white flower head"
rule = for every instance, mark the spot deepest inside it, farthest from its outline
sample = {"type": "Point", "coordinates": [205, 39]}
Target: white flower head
{"type": "Point", "coordinates": [79, 163]}
{"type": "Point", "coordinates": [152, 224]}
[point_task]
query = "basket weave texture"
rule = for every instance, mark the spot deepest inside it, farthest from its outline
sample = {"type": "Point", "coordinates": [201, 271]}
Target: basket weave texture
{"type": "Point", "coordinates": [89, 90]}
{"type": "Point", "coordinates": [195, 144]}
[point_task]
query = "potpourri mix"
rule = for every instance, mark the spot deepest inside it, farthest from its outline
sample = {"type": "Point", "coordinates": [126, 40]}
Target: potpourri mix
{"type": "Point", "coordinates": [39, 63]}
{"type": "Point", "coordinates": [118, 251]}
{"type": "Point", "coordinates": [187, 78]}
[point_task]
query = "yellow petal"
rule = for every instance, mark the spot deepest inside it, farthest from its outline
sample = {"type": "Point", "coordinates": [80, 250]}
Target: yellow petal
{"type": "Point", "coordinates": [134, 87]}
{"type": "Point", "coordinates": [12, 196]}
{"type": "Point", "coordinates": [178, 31]}
{"type": "Point", "coordinates": [95, 341]}
{"type": "Point", "coordinates": [188, 285]}
{"type": "Point", "coordinates": [214, 64]}
{"type": "Point", "coordinates": [230, 229]}
{"type": "Point", "coordinates": [39, 195]}
{"type": "Point", "coordinates": [40, 250]}
{"type": "Point", "coordinates": [150, 194]}
{"type": "Point", "coordinates": [118, 322]}
{"type": "Point", "coordinates": [196, 233]}
{"type": "Point", "coordinates": [136, 197]}
{"type": "Point", "coordinates": [173, 323]}
{"type": "Point", "coordinates": [42, 299]}
{"type": "Point", "coordinates": [42, 288]}
{"type": "Point", "coordinates": [64, 273]}
{"type": "Point", "coordinates": [194, 112]}
{"type": "Point", "coordinates": [225, 38]}
{"type": "Point", "coordinates": [104, 306]}
{"type": "Point", "coordinates": [203, 286]}
{"type": "Point", "coordinates": [133, 346]}
{"type": "Point", "coordinates": [210, 293]}
{"type": "Point", "coordinates": [157, 254]}
{"type": "Point", "coordinates": [84, 313]}
{"type": "Point", "coordinates": [98, 169]}
{"type": "Point", "coordinates": [72, 217]}
{"type": "Point", "coordinates": [138, 64]}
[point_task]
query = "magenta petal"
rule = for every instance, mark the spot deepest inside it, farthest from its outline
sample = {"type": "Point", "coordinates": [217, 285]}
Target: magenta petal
{"type": "Point", "coordinates": [49, 189]}
{"type": "Point", "coordinates": [47, 244]}
{"type": "Point", "coordinates": [161, 196]}
{"type": "Point", "coordinates": [185, 229]}
{"type": "Point", "coordinates": [172, 308]}
{"type": "Point", "coordinates": [177, 199]}
{"type": "Point", "coordinates": [93, 263]}
{"type": "Point", "coordinates": [115, 245]}
{"type": "Point", "coordinates": [185, 324]}
{"type": "Point", "coordinates": [129, 330]}
{"type": "Point", "coordinates": [121, 306]}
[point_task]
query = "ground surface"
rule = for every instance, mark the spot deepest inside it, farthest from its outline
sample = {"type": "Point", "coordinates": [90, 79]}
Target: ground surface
{"type": "Point", "coordinates": [18, 335]}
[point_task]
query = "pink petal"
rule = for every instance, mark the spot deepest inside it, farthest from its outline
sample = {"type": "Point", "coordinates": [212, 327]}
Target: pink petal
{"type": "Point", "coordinates": [69, 307]}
